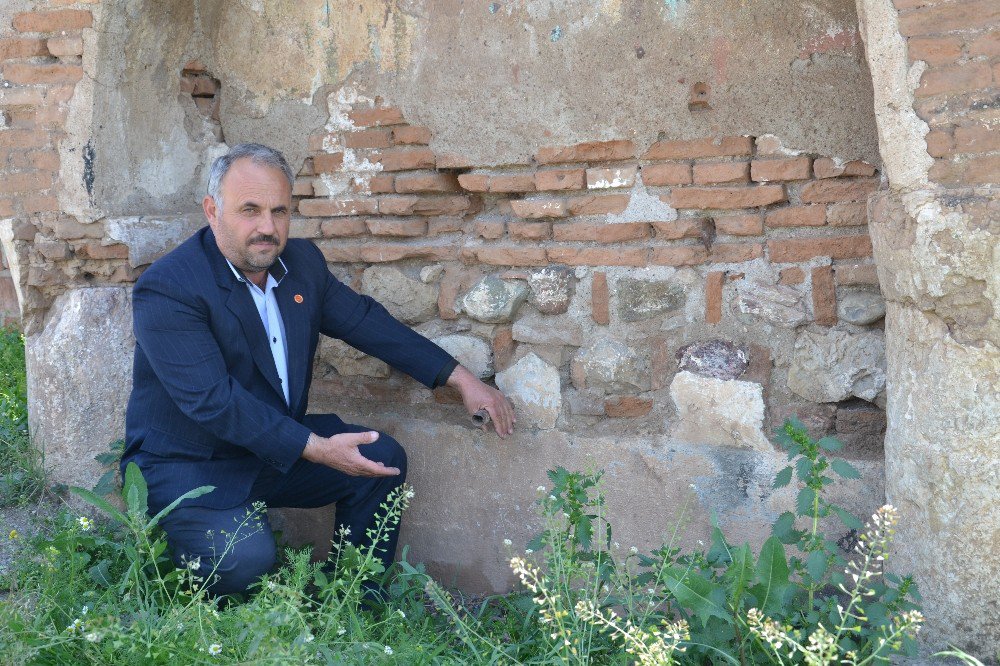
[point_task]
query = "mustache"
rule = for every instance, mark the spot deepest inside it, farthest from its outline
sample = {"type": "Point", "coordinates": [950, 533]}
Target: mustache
{"type": "Point", "coordinates": [263, 239]}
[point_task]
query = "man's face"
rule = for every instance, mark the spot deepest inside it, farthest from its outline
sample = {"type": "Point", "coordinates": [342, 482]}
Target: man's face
{"type": "Point", "coordinates": [251, 227]}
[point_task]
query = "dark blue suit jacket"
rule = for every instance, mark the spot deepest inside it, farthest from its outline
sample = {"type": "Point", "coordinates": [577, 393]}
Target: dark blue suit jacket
{"type": "Point", "coordinates": [207, 406]}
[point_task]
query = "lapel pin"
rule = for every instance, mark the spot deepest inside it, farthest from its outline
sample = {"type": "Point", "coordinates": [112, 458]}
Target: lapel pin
{"type": "Point", "coordinates": [298, 298]}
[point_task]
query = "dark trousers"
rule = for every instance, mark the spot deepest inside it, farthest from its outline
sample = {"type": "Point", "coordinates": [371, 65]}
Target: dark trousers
{"type": "Point", "coordinates": [240, 550]}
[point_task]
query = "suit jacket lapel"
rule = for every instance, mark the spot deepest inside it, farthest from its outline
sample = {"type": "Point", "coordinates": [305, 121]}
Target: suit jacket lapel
{"type": "Point", "coordinates": [295, 316]}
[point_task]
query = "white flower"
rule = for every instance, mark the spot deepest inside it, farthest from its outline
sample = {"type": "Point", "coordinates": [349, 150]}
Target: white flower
{"type": "Point", "coordinates": [633, 550]}
{"type": "Point", "coordinates": [507, 542]}
{"type": "Point", "coordinates": [86, 524]}
{"type": "Point", "coordinates": [341, 631]}
{"type": "Point", "coordinates": [387, 649]}
{"type": "Point", "coordinates": [92, 637]}
{"type": "Point", "coordinates": [552, 497]}
{"type": "Point", "coordinates": [540, 489]}
{"type": "Point", "coordinates": [194, 564]}
{"type": "Point", "coordinates": [215, 649]}
{"type": "Point", "coordinates": [401, 613]}
{"type": "Point", "coordinates": [528, 551]}
{"type": "Point", "coordinates": [84, 610]}
{"type": "Point", "coordinates": [271, 585]}
{"type": "Point", "coordinates": [309, 638]}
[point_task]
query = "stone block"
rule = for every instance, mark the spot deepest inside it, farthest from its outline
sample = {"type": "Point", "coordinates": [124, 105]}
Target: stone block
{"type": "Point", "coordinates": [860, 306]}
{"type": "Point", "coordinates": [611, 366]}
{"type": "Point", "coordinates": [717, 411]}
{"type": "Point", "coordinates": [534, 387]}
{"type": "Point", "coordinates": [473, 353]}
{"type": "Point", "coordinates": [834, 365]}
{"type": "Point", "coordinates": [719, 359]}
{"type": "Point", "coordinates": [494, 301]}
{"type": "Point", "coordinates": [348, 361]}
{"type": "Point", "coordinates": [639, 299]}
{"type": "Point", "coordinates": [777, 304]}
{"type": "Point", "coordinates": [406, 298]}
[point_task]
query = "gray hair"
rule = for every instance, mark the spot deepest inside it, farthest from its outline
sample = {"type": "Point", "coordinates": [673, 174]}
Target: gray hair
{"type": "Point", "coordinates": [257, 153]}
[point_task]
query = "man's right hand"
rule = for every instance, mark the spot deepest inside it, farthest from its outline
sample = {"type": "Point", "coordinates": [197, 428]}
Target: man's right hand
{"type": "Point", "coordinates": [341, 453]}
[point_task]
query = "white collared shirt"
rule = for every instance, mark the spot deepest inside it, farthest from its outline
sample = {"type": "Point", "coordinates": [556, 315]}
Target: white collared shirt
{"type": "Point", "coordinates": [270, 316]}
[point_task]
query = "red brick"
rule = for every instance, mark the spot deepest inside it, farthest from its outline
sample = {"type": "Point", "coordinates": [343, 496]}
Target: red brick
{"type": "Point", "coordinates": [474, 182]}
{"type": "Point", "coordinates": [740, 225]}
{"type": "Point", "coordinates": [829, 191]}
{"type": "Point", "coordinates": [935, 50]}
{"type": "Point", "coordinates": [656, 175]}
{"type": "Point", "coordinates": [40, 203]}
{"type": "Point", "coordinates": [987, 45]}
{"type": "Point", "coordinates": [795, 168]}
{"type": "Point", "coordinates": [444, 225]}
{"type": "Point", "coordinates": [598, 256]}
{"type": "Point", "coordinates": [686, 227]}
{"type": "Point", "coordinates": [950, 17]}
{"type": "Point", "coordinates": [824, 167]}
{"type": "Point", "coordinates": [856, 274]}
{"type": "Point", "coordinates": [599, 309]}
{"type": "Point", "coordinates": [401, 159]}
{"type": "Point", "coordinates": [22, 47]}
{"type": "Point", "coordinates": [824, 295]}
{"type": "Point", "coordinates": [28, 74]}
{"type": "Point", "coordinates": [511, 256]}
{"type": "Point", "coordinates": [627, 406]}
{"type": "Point", "coordinates": [50, 116]}
{"type": "Point", "coordinates": [792, 250]}
{"type": "Point", "coordinates": [427, 205]}
{"type": "Point", "coordinates": [978, 170]}
{"type": "Point", "coordinates": [592, 151]}
{"type": "Point", "coordinates": [411, 135]}
{"type": "Point", "coordinates": [727, 197]}
{"type": "Point", "coordinates": [730, 146]}
{"type": "Point", "coordinates": [611, 204]}
{"type": "Point", "coordinates": [337, 207]}
{"type": "Point", "coordinates": [406, 228]}
{"type": "Point", "coordinates": [376, 117]}
{"type": "Point", "coordinates": [847, 215]}
{"type": "Point", "coordinates": [370, 138]}
{"type": "Point", "coordinates": [53, 21]}
{"type": "Point", "coordinates": [611, 177]}
{"type": "Point", "coordinates": [538, 208]}
{"type": "Point", "coordinates": [713, 296]}
{"type": "Point", "coordinates": [97, 251]}
{"type": "Point", "coordinates": [20, 96]}
{"type": "Point", "coordinates": [503, 347]}
{"type": "Point", "coordinates": [976, 139]}
{"type": "Point", "coordinates": [426, 182]}
{"type": "Point", "coordinates": [601, 233]}
{"type": "Point", "coordinates": [343, 227]}
{"type": "Point", "coordinates": [939, 143]}
{"type": "Point", "coordinates": [369, 253]}
{"type": "Point", "coordinates": [328, 162]}
{"type": "Point", "coordinates": [383, 183]}
{"type": "Point", "coordinates": [735, 253]}
{"type": "Point", "coordinates": [722, 172]}
{"type": "Point", "coordinates": [512, 183]}
{"type": "Point", "coordinates": [453, 161]}
{"type": "Point", "coordinates": [560, 179]}
{"type": "Point", "coordinates": [684, 255]}
{"type": "Point", "coordinates": [971, 76]}
{"type": "Point", "coordinates": [529, 230]}
{"type": "Point", "coordinates": [31, 181]}
{"type": "Point", "coordinates": [792, 275]}
{"type": "Point", "coordinates": [489, 229]}
{"type": "Point", "coordinates": [797, 216]}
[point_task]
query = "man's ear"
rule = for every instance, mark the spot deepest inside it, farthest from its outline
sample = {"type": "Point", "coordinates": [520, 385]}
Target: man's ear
{"type": "Point", "coordinates": [211, 212]}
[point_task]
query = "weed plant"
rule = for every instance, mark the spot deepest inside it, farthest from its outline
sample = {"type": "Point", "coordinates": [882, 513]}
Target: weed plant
{"type": "Point", "coordinates": [105, 592]}
{"type": "Point", "coordinates": [21, 477]}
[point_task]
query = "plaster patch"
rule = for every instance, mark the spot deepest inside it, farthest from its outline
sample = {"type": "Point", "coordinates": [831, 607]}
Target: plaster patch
{"type": "Point", "coordinates": [643, 206]}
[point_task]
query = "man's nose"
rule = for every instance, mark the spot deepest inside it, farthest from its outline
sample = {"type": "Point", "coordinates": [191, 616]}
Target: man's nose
{"type": "Point", "coordinates": [266, 223]}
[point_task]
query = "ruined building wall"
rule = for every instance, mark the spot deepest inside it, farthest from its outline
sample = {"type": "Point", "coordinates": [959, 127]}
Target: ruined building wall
{"type": "Point", "coordinates": [644, 220]}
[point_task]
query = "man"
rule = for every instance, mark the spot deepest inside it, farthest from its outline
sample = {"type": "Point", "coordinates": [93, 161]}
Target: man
{"type": "Point", "coordinates": [226, 329]}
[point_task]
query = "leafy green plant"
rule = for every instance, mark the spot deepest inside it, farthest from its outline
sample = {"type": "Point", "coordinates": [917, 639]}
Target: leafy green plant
{"type": "Point", "coordinates": [22, 477]}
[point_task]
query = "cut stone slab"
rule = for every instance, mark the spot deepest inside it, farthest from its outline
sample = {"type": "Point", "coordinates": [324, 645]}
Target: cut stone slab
{"type": "Point", "coordinates": [639, 299]}
{"type": "Point", "coordinates": [473, 353]}
{"type": "Point", "coordinates": [348, 361]}
{"type": "Point", "coordinates": [719, 412]}
{"type": "Point", "coordinates": [406, 298]}
{"type": "Point", "coordinates": [610, 365]}
{"type": "Point", "coordinates": [835, 365]}
{"type": "Point", "coordinates": [860, 306]}
{"type": "Point", "coordinates": [720, 359]}
{"type": "Point", "coordinates": [79, 380]}
{"type": "Point", "coordinates": [548, 330]}
{"type": "Point", "coordinates": [533, 386]}
{"type": "Point", "coordinates": [777, 304]}
{"type": "Point", "coordinates": [494, 301]}
{"type": "Point", "coordinates": [149, 238]}
{"type": "Point", "coordinates": [551, 289]}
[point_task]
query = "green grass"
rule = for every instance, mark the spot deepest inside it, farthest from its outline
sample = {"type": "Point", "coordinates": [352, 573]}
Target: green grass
{"type": "Point", "coordinates": [21, 473]}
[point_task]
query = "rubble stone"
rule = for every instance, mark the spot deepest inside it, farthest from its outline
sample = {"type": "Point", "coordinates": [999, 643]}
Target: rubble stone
{"type": "Point", "coordinates": [406, 298]}
{"type": "Point", "coordinates": [860, 306]}
{"type": "Point", "coordinates": [835, 365]}
{"type": "Point", "coordinates": [777, 304]}
{"type": "Point", "coordinates": [551, 289]}
{"type": "Point", "coordinates": [611, 366]}
{"type": "Point", "coordinates": [348, 361]}
{"type": "Point", "coordinates": [639, 299]}
{"type": "Point", "coordinates": [719, 359]}
{"type": "Point", "coordinates": [535, 389]}
{"type": "Point", "coordinates": [718, 411]}
{"type": "Point", "coordinates": [494, 301]}
{"type": "Point", "coordinates": [472, 352]}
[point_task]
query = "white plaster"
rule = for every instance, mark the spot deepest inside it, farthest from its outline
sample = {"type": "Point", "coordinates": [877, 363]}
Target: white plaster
{"type": "Point", "coordinates": [643, 206]}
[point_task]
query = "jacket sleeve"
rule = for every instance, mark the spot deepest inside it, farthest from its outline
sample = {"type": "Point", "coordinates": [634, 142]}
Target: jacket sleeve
{"type": "Point", "coordinates": [172, 328]}
{"type": "Point", "coordinates": [366, 325]}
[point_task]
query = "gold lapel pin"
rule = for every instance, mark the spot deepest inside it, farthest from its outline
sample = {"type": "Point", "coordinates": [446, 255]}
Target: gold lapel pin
{"type": "Point", "coordinates": [298, 298]}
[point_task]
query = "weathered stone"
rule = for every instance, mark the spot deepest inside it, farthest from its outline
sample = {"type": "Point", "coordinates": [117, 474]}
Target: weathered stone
{"type": "Point", "coordinates": [551, 289]}
{"type": "Point", "coordinates": [639, 299]}
{"type": "Point", "coordinates": [860, 306]}
{"type": "Point", "coordinates": [777, 304]}
{"type": "Point", "coordinates": [406, 298]}
{"type": "Point", "coordinates": [535, 389]}
{"type": "Point", "coordinates": [835, 365]}
{"type": "Point", "coordinates": [149, 238]}
{"type": "Point", "coordinates": [348, 361]}
{"type": "Point", "coordinates": [548, 330]}
{"type": "Point", "coordinates": [79, 379]}
{"type": "Point", "coordinates": [717, 411]}
{"type": "Point", "coordinates": [611, 366]}
{"type": "Point", "coordinates": [494, 301]}
{"type": "Point", "coordinates": [720, 359]}
{"type": "Point", "coordinates": [431, 273]}
{"type": "Point", "coordinates": [472, 352]}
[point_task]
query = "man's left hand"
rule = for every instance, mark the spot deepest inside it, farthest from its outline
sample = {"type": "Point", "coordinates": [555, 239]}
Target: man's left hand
{"type": "Point", "coordinates": [476, 395]}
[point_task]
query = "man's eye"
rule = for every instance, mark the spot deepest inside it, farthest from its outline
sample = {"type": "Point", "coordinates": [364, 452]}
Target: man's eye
{"type": "Point", "coordinates": [249, 211]}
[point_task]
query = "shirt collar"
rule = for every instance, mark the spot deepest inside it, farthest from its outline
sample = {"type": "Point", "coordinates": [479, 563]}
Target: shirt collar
{"type": "Point", "coordinates": [277, 271]}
